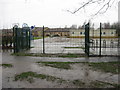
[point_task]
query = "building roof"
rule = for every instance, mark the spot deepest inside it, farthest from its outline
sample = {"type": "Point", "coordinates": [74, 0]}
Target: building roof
{"type": "Point", "coordinates": [7, 30]}
{"type": "Point", "coordinates": [57, 30]}
{"type": "Point", "coordinates": [39, 28]}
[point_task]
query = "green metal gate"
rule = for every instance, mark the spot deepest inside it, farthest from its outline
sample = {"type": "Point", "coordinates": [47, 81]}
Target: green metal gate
{"type": "Point", "coordinates": [101, 46]}
{"type": "Point", "coordinates": [89, 42]}
{"type": "Point", "coordinates": [21, 38]}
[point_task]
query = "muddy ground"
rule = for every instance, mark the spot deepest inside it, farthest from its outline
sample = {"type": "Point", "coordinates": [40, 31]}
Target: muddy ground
{"type": "Point", "coordinates": [79, 76]}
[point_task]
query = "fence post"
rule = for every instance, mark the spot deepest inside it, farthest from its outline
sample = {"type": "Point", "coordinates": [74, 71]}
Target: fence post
{"type": "Point", "coordinates": [29, 38]}
{"type": "Point", "coordinates": [100, 39]}
{"type": "Point", "coordinates": [15, 29]}
{"type": "Point", "coordinates": [14, 39]}
{"type": "Point", "coordinates": [87, 41]}
{"type": "Point", "coordinates": [43, 42]}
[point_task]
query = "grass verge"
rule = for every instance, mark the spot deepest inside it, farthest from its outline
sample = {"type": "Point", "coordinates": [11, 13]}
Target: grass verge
{"type": "Point", "coordinates": [71, 55]}
{"type": "Point", "coordinates": [60, 65]}
{"type": "Point", "coordinates": [112, 67]}
{"type": "Point", "coordinates": [6, 65]}
{"type": "Point", "coordinates": [98, 84]}
{"type": "Point", "coordinates": [50, 55]}
{"type": "Point", "coordinates": [30, 75]}
{"type": "Point", "coordinates": [109, 67]}
{"type": "Point", "coordinates": [95, 84]}
{"type": "Point", "coordinates": [78, 83]}
{"type": "Point", "coordinates": [75, 47]}
{"type": "Point", "coordinates": [68, 55]}
{"type": "Point", "coordinates": [35, 38]}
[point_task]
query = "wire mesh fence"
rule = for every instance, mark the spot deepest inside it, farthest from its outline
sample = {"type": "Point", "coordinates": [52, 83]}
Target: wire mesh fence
{"type": "Point", "coordinates": [58, 45]}
{"type": "Point", "coordinates": [109, 46]}
{"type": "Point", "coordinates": [61, 43]}
{"type": "Point", "coordinates": [55, 45]}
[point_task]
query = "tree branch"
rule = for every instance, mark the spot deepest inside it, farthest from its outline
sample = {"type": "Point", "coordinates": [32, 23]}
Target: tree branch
{"type": "Point", "coordinates": [107, 5]}
{"type": "Point", "coordinates": [85, 4]}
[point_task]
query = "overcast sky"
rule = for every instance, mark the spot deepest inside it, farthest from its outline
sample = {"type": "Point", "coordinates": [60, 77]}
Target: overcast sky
{"type": "Point", "coordinates": [51, 13]}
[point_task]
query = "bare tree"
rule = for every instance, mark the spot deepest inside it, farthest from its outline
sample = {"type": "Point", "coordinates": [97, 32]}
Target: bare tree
{"type": "Point", "coordinates": [74, 26]}
{"type": "Point", "coordinates": [105, 5]}
{"type": "Point", "coordinates": [106, 25]}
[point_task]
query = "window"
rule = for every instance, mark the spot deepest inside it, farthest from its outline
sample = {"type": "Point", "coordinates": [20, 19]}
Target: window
{"type": "Point", "coordinates": [80, 32]}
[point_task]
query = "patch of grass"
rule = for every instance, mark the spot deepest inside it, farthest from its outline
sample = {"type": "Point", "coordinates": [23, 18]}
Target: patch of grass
{"type": "Point", "coordinates": [60, 65]}
{"type": "Point", "coordinates": [78, 83]}
{"type": "Point", "coordinates": [99, 84]}
{"type": "Point", "coordinates": [71, 55]}
{"type": "Point", "coordinates": [30, 75]}
{"type": "Point", "coordinates": [22, 54]}
{"type": "Point", "coordinates": [61, 80]}
{"type": "Point", "coordinates": [6, 65]}
{"type": "Point", "coordinates": [49, 55]}
{"type": "Point", "coordinates": [75, 47]}
{"type": "Point", "coordinates": [112, 67]}
{"type": "Point", "coordinates": [116, 85]}
{"type": "Point", "coordinates": [96, 84]}
{"type": "Point", "coordinates": [35, 38]}
{"type": "Point", "coordinates": [31, 47]}
{"type": "Point", "coordinates": [34, 54]}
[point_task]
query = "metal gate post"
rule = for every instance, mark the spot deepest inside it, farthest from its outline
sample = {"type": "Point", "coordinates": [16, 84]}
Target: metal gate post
{"type": "Point", "coordinates": [14, 45]}
{"type": "Point", "coordinates": [29, 33]}
{"type": "Point", "coordinates": [26, 39]}
{"type": "Point", "coordinates": [43, 41]}
{"type": "Point", "coordinates": [87, 41]}
{"type": "Point", "coordinates": [100, 39]}
{"type": "Point", "coordinates": [15, 33]}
